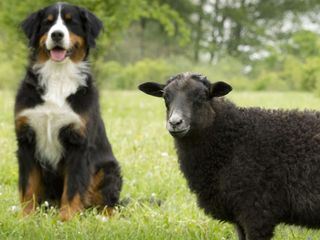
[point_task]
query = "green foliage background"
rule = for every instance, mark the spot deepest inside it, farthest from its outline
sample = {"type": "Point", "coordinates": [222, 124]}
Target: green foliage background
{"type": "Point", "coordinates": [252, 44]}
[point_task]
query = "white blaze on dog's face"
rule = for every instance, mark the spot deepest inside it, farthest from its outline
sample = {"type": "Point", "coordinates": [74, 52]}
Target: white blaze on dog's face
{"type": "Point", "coordinates": [58, 39]}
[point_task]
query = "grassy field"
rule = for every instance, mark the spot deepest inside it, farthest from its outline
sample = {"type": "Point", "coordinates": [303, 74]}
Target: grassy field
{"type": "Point", "coordinates": [136, 128]}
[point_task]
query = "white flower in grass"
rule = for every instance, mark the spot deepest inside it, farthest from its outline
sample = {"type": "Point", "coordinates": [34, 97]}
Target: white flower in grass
{"type": "Point", "coordinates": [142, 105]}
{"type": "Point", "coordinates": [46, 203]}
{"type": "Point", "coordinates": [133, 182]}
{"type": "Point", "coordinates": [14, 209]}
{"type": "Point", "coordinates": [149, 174]}
{"type": "Point", "coordinates": [164, 154]}
{"type": "Point", "coordinates": [102, 218]}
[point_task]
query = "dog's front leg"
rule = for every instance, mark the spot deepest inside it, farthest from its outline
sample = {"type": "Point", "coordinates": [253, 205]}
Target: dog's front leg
{"type": "Point", "coordinates": [76, 174]}
{"type": "Point", "coordinates": [29, 170]}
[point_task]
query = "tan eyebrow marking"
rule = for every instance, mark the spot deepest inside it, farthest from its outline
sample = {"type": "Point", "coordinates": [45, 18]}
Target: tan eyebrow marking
{"type": "Point", "coordinates": [68, 16]}
{"type": "Point", "coordinates": [50, 17]}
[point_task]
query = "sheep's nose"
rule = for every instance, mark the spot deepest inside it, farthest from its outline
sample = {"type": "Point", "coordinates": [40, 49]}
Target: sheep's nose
{"type": "Point", "coordinates": [57, 36]}
{"type": "Point", "coordinates": [175, 122]}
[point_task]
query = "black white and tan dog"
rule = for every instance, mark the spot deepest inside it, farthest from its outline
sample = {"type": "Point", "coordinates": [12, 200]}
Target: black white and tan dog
{"type": "Point", "coordinates": [63, 152]}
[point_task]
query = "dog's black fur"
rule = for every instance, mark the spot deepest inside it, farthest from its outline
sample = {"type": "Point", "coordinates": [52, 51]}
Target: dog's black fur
{"type": "Point", "coordinates": [252, 167]}
{"type": "Point", "coordinates": [87, 174]}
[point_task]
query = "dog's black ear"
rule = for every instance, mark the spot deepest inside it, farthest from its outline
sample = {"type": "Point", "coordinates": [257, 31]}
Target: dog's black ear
{"type": "Point", "coordinates": [30, 27]}
{"type": "Point", "coordinates": [92, 26]}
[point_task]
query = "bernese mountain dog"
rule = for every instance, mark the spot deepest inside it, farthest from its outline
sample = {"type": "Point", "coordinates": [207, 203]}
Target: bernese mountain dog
{"type": "Point", "coordinates": [63, 152]}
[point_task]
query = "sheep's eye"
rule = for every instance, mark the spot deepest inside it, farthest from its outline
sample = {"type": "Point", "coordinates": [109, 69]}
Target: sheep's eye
{"type": "Point", "coordinates": [166, 97]}
{"type": "Point", "coordinates": [207, 96]}
{"type": "Point", "coordinates": [199, 97]}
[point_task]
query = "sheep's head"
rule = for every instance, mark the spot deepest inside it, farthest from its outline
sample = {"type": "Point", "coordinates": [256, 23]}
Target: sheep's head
{"type": "Point", "coordinates": [188, 98]}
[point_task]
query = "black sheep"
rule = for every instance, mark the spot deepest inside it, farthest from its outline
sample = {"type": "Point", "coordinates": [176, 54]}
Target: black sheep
{"type": "Point", "coordinates": [251, 167]}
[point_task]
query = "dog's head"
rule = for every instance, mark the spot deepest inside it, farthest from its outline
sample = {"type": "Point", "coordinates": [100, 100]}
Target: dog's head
{"type": "Point", "coordinates": [61, 31]}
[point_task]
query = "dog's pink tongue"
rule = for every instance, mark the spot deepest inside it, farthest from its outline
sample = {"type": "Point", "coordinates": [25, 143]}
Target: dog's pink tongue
{"type": "Point", "coordinates": [58, 54]}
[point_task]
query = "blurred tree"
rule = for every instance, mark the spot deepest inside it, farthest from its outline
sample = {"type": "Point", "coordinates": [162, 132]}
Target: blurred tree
{"type": "Point", "coordinates": [260, 35]}
{"type": "Point", "coordinates": [303, 44]}
{"type": "Point", "coordinates": [117, 16]}
{"type": "Point", "coordinates": [246, 26]}
{"type": "Point", "coordinates": [218, 27]}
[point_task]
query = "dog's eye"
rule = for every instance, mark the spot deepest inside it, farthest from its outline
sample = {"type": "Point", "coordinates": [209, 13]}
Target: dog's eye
{"type": "Point", "coordinates": [48, 21]}
{"type": "Point", "coordinates": [71, 21]}
{"type": "Point", "coordinates": [68, 21]}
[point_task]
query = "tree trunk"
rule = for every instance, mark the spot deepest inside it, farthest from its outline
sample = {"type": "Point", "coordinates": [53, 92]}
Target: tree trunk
{"type": "Point", "coordinates": [236, 34]}
{"type": "Point", "coordinates": [215, 24]}
{"type": "Point", "coordinates": [143, 23]}
{"type": "Point", "coordinates": [199, 30]}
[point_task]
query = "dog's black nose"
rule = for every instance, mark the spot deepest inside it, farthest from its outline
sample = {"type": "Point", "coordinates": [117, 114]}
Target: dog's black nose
{"type": "Point", "coordinates": [57, 36]}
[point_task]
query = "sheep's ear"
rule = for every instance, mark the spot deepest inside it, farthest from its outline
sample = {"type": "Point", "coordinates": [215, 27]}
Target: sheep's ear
{"type": "Point", "coordinates": [219, 89]}
{"type": "Point", "coordinates": [152, 88]}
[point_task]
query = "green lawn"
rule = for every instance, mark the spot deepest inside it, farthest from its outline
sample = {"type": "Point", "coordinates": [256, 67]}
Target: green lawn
{"type": "Point", "coordinates": [136, 129]}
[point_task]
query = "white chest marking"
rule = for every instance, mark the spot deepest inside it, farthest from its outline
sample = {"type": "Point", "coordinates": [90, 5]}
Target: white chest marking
{"type": "Point", "coordinates": [59, 80]}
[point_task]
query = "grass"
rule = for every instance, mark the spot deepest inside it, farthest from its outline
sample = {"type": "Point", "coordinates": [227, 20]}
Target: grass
{"type": "Point", "coordinates": [136, 129]}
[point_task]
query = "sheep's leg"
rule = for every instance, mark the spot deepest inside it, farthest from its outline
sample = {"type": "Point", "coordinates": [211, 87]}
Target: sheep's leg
{"type": "Point", "coordinates": [261, 231]}
{"type": "Point", "coordinates": [260, 235]}
{"type": "Point", "coordinates": [240, 232]}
